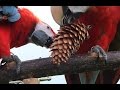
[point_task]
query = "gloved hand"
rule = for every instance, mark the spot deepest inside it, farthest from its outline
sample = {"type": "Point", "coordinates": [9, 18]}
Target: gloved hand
{"type": "Point", "coordinates": [12, 13]}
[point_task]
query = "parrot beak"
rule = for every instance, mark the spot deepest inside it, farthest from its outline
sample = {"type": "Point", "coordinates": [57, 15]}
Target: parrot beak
{"type": "Point", "coordinates": [43, 35]}
{"type": "Point", "coordinates": [49, 42]}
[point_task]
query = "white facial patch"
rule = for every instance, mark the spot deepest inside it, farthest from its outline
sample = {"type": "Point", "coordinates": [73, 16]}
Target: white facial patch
{"type": "Point", "coordinates": [75, 9]}
{"type": "Point", "coordinates": [45, 27]}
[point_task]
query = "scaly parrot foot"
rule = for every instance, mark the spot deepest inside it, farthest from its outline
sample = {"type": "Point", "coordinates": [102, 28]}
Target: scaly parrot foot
{"type": "Point", "coordinates": [11, 62]}
{"type": "Point", "coordinates": [91, 76]}
{"type": "Point", "coordinates": [99, 53]}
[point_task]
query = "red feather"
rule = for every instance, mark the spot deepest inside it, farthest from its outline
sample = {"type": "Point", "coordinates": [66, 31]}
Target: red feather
{"type": "Point", "coordinates": [16, 34]}
{"type": "Point", "coordinates": [104, 21]}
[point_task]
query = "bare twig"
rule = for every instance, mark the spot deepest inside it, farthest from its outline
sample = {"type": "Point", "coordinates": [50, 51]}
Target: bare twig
{"type": "Point", "coordinates": [44, 67]}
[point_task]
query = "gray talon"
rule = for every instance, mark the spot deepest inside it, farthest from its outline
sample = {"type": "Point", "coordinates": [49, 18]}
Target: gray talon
{"type": "Point", "coordinates": [10, 59]}
{"type": "Point", "coordinates": [101, 53]}
{"type": "Point", "coordinates": [18, 63]}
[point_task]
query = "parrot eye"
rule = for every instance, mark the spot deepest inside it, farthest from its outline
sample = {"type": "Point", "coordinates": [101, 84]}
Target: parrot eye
{"type": "Point", "coordinates": [89, 27]}
{"type": "Point", "coordinates": [48, 27]}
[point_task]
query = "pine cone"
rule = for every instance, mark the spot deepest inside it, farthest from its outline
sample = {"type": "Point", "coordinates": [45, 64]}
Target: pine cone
{"type": "Point", "coordinates": [68, 41]}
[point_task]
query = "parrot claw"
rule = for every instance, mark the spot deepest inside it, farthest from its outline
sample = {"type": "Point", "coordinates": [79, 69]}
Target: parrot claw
{"type": "Point", "coordinates": [97, 51]}
{"type": "Point", "coordinates": [101, 56]}
{"type": "Point", "coordinates": [6, 62]}
{"type": "Point", "coordinates": [18, 63]}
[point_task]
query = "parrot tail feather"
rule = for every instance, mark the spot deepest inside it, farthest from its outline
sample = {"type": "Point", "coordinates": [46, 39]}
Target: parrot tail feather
{"type": "Point", "coordinates": [88, 77]}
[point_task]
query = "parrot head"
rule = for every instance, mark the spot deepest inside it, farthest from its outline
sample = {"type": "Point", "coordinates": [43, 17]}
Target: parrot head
{"type": "Point", "coordinates": [42, 35]}
{"type": "Point", "coordinates": [57, 12]}
{"type": "Point", "coordinates": [45, 28]}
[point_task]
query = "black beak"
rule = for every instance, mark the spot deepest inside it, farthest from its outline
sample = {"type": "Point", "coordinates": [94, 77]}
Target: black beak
{"type": "Point", "coordinates": [49, 42]}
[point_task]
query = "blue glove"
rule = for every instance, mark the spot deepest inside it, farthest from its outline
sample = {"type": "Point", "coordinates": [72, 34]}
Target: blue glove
{"type": "Point", "coordinates": [12, 12]}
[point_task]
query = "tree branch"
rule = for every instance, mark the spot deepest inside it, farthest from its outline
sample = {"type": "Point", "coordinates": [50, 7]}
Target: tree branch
{"type": "Point", "coordinates": [44, 67]}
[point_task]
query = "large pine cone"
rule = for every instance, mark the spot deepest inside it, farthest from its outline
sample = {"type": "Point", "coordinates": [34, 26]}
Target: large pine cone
{"type": "Point", "coordinates": [68, 41]}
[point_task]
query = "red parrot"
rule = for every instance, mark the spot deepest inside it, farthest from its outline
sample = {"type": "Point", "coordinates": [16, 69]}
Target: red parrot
{"type": "Point", "coordinates": [27, 29]}
{"type": "Point", "coordinates": [104, 21]}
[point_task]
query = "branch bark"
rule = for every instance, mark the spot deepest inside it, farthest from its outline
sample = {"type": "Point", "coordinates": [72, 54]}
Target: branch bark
{"type": "Point", "coordinates": [44, 67]}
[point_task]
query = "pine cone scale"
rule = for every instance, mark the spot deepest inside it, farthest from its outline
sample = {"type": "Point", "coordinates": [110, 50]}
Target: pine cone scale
{"type": "Point", "coordinates": [68, 41]}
